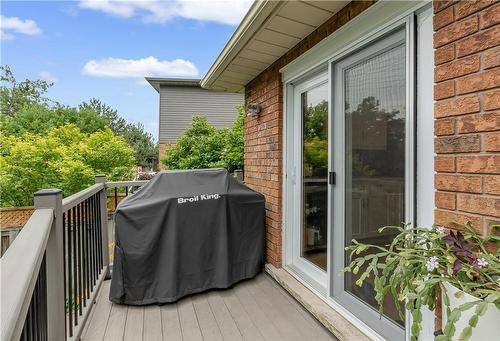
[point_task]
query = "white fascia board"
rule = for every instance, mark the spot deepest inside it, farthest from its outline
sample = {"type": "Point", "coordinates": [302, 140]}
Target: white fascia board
{"type": "Point", "coordinates": [256, 16]}
{"type": "Point", "coordinates": [374, 21]}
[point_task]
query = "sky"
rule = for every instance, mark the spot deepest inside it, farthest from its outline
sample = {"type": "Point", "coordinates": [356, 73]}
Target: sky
{"type": "Point", "coordinates": [104, 49]}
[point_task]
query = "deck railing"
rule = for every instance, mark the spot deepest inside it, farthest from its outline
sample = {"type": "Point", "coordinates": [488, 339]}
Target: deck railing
{"type": "Point", "coordinates": [53, 271]}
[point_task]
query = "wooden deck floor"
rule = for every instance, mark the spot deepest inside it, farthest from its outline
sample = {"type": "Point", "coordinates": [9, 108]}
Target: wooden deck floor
{"type": "Point", "coordinates": [257, 309]}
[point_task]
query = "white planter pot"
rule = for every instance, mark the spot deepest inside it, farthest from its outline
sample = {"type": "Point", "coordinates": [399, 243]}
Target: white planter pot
{"type": "Point", "coordinates": [488, 326]}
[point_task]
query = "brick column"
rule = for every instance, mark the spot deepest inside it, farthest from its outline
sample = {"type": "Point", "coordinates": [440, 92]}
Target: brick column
{"type": "Point", "coordinates": [467, 125]}
{"type": "Point", "coordinates": [263, 154]}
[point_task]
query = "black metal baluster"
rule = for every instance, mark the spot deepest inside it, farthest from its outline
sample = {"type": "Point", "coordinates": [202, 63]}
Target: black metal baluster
{"type": "Point", "coordinates": [91, 237]}
{"type": "Point", "coordinates": [75, 268]}
{"type": "Point", "coordinates": [81, 295]}
{"type": "Point", "coordinates": [116, 197]}
{"type": "Point", "coordinates": [69, 302]}
{"type": "Point", "coordinates": [106, 247]}
{"type": "Point", "coordinates": [34, 304]}
{"type": "Point", "coordinates": [96, 261]}
{"type": "Point", "coordinates": [65, 240]}
{"type": "Point", "coordinates": [29, 319]}
{"type": "Point", "coordinates": [89, 247]}
{"type": "Point", "coordinates": [126, 191]}
{"type": "Point", "coordinates": [85, 253]}
{"type": "Point", "coordinates": [44, 298]}
{"type": "Point", "coordinates": [99, 229]}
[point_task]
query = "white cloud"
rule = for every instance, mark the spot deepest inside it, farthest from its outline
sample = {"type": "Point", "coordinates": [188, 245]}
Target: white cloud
{"type": "Point", "coordinates": [6, 36]}
{"type": "Point", "coordinates": [47, 76]}
{"type": "Point", "coordinates": [228, 12]}
{"type": "Point", "coordinates": [11, 25]}
{"type": "Point", "coordinates": [139, 68]}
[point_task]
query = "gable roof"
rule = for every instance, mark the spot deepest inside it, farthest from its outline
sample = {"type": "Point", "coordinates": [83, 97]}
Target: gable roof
{"type": "Point", "coordinates": [268, 31]}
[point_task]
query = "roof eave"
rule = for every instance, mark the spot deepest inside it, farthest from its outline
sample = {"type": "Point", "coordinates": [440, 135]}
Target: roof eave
{"type": "Point", "coordinates": [156, 82]}
{"type": "Point", "coordinates": [256, 15]}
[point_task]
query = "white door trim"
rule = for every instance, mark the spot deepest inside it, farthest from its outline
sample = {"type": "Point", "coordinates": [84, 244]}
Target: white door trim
{"type": "Point", "coordinates": [309, 271]}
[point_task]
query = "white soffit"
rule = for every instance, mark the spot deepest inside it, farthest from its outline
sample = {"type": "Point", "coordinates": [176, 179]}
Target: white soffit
{"type": "Point", "coordinates": [268, 31]}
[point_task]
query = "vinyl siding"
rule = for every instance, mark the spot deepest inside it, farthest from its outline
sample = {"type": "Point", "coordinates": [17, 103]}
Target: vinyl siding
{"type": "Point", "coordinates": [179, 104]}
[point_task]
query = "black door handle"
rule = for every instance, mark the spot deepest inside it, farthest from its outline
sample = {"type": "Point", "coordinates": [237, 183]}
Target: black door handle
{"type": "Point", "coordinates": [331, 178]}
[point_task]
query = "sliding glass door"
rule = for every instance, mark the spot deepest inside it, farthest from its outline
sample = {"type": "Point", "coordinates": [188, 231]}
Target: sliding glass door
{"type": "Point", "coordinates": [370, 155]}
{"type": "Point", "coordinates": [350, 161]}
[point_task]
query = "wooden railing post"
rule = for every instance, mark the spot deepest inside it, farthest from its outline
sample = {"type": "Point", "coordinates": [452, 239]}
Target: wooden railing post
{"type": "Point", "coordinates": [52, 198]}
{"type": "Point", "coordinates": [101, 179]}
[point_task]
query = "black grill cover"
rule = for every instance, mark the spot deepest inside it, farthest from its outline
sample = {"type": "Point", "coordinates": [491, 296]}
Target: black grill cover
{"type": "Point", "coordinates": [185, 232]}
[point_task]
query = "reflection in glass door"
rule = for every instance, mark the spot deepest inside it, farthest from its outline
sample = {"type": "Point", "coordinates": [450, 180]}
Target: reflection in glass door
{"type": "Point", "coordinates": [375, 156]}
{"type": "Point", "coordinates": [369, 154]}
{"type": "Point", "coordinates": [314, 110]}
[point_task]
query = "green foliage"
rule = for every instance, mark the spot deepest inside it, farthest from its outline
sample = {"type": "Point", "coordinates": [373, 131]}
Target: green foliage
{"type": "Point", "coordinates": [418, 261]}
{"type": "Point", "coordinates": [316, 138]}
{"type": "Point", "coordinates": [24, 108]}
{"type": "Point", "coordinates": [145, 149]}
{"type": "Point", "coordinates": [63, 157]}
{"type": "Point", "coordinates": [204, 146]}
{"type": "Point", "coordinates": [316, 153]}
{"type": "Point", "coordinates": [110, 115]}
{"type": "Point", "coordinates": [14, 95]}
{"type": "Point", "coordinates": [37, 119]}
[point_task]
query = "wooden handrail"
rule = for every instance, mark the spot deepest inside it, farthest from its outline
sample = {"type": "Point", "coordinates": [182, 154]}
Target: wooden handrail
{"type": "Point", "coordinates": [112, 184]}
{"type": "Point", "coordinates": [77, 198]}
{"type": "Point", "coordinates": [20, 267]}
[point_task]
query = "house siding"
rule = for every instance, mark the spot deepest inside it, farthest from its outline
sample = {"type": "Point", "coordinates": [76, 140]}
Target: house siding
{"type": "Point", "coordinates": [467, 113]}
{"type": "Point", "coordinates": [178, 105]}
{"type": "Point", "coordinates": [264, 134]}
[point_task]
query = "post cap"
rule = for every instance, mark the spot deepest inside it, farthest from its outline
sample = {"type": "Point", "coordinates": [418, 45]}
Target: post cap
{"type": "Point", "coordinates": [48, 191]}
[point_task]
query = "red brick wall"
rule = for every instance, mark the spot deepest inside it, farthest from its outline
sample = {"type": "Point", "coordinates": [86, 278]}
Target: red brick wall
{"type": "Point", "coordinates": [264, 134]}
{"type": "Point", "coordinates": [467, 112]}
{"type": "Point", "coordinates": [162, 150]}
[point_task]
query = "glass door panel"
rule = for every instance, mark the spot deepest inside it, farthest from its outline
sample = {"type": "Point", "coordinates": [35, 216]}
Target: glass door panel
{"type": "Point", "coordinates": [314, 110]}
{"type": "Point", "coordinates": [374, 114]}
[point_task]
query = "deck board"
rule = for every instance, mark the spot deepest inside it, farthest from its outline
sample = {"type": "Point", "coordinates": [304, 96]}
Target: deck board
{"type": "Point", "coordinates": [134, 324]}
{"type": "Point", "coordinates": [206, 319]}
{"type": "Point", "coordinates": [171, 324]}
{"type": "Point", "coordinates": [257, 309]}
{"type": "Point", "coordinates": [152, 324]}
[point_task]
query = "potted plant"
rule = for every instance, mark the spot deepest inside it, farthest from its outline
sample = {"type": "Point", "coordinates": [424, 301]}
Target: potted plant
{"type": "Point", "coordinates": [419, 262]}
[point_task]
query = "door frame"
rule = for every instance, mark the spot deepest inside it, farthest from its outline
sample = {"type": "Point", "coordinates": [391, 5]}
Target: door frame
{"type": "Point", "coordinates": [374, 23]}
{"type": "Point", "coordinates": [308, 271]}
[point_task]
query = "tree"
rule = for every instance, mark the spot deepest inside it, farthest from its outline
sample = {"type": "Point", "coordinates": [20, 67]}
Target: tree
{"type": "Point", "coordinates": [37, 119]}
{"type": "Point", "coordinates": [146, 150]}
{"type": "Point", "coordinates": [14, 96]}
{"type": "Point", "coordinates": [63, 157]}
{"type": "Point", "coordinates": [316, 139]}
{"type": "Point", "coordinates": [204, 146]}
{"type": "Point", "coordinates": [110, 115]}
{"type": "Point", "coordinates": [24, 108]}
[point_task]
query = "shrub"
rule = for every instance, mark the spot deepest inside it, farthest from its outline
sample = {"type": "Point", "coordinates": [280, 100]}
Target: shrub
{"type": "Point", "coordinates": [204, 146]}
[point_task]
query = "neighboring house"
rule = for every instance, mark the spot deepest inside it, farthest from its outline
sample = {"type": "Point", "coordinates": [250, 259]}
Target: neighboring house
{"type": "Point", "coordinates": [181, 99]}
{"type": "Point", "coordinates": [371, 113]}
